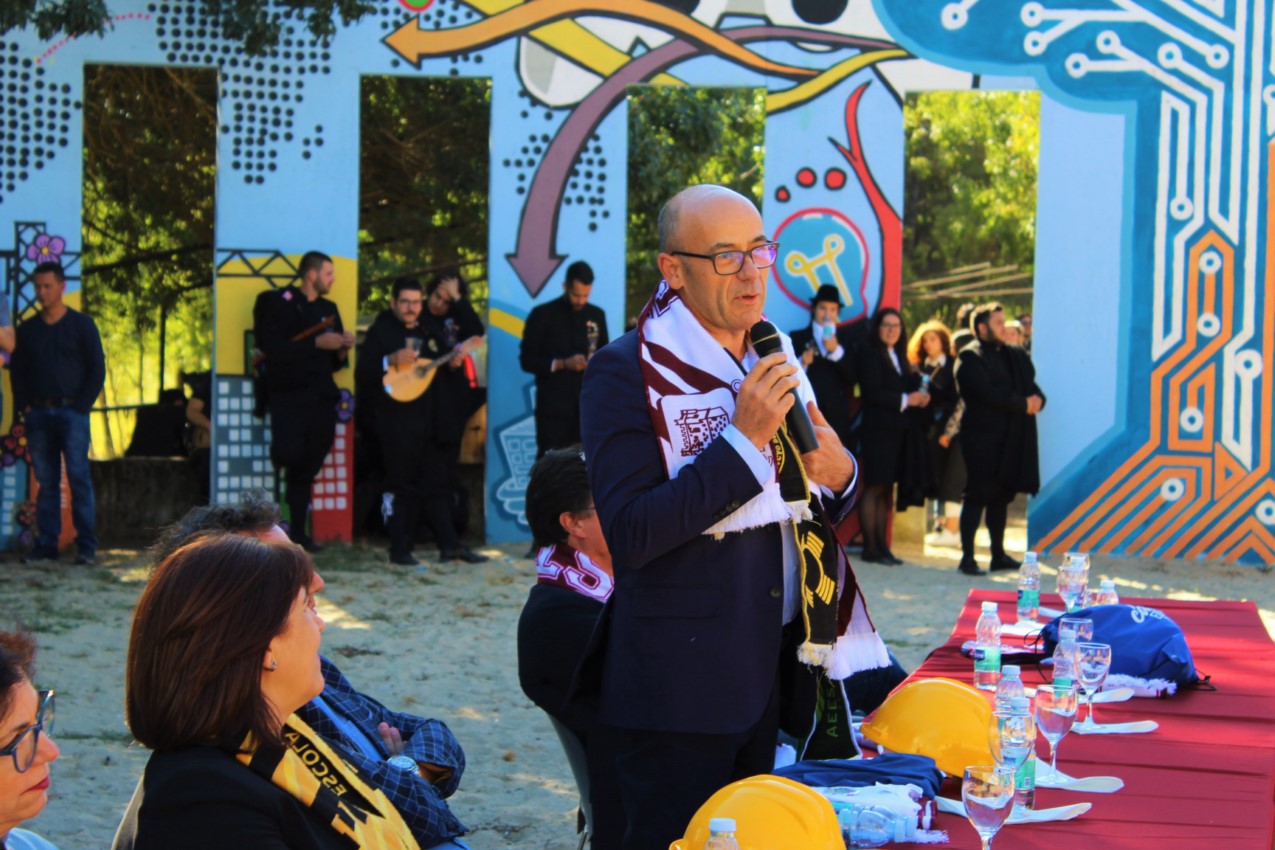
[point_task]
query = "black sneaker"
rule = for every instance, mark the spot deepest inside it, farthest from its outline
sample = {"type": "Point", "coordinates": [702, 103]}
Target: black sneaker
{"type": "Point", "coordinates": [39, 556]}
{"type": "Point", "coordinates": [1004, 562]}
{"type": "Point", "coordinates": [462, 553]}
{"type": "Point", "coordinates": [85, 559]}
{"type": "Point", "coordinates": [404, 561]}
{"type": "Point", "coordinates": [970, 567]}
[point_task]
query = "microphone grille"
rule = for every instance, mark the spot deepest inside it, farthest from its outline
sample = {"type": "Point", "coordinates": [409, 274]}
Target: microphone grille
{"type": "Point", "coordinates": [765, 338]}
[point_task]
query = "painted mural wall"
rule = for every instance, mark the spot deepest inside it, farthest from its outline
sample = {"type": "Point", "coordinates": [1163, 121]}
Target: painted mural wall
{"type": "Point", "coordinates": [1176, 106]}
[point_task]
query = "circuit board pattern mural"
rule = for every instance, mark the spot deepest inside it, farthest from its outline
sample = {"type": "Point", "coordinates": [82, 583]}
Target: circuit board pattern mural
{"type": "Point", "coordinates": [1188, 471]}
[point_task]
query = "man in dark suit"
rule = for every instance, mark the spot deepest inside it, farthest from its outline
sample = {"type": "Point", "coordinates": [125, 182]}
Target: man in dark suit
{"type": "Point", "coordinates": [557, 342]}
{"type": "Point", "coordinates": [686, 662]}
{"type": "Point", "coordinates": [827, 352]}
{"type": "Point", "coordinates": [298, 375]}
{"type": "Point", "coordinates": [998, 433]}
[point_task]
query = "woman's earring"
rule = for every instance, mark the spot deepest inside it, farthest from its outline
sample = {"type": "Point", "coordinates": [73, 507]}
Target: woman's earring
{"type": "Point", "coordinates": [274, 665]}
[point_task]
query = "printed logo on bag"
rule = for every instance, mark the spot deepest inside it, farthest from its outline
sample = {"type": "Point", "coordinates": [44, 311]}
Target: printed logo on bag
{"type": "Point", "coordinates": [1140, 614]}
{"type": "Point", "coordinates": [699, 427]}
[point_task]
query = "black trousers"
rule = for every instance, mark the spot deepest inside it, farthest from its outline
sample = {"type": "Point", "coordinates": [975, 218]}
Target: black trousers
{"type": "Point", "coordinates": [421, 474]}
{"type": "Point", "coordinates": [556, 432]}
{"type": "Point", "coordinates": [302, 428]}
{"type": "Point", "coordinates": [645, 786]}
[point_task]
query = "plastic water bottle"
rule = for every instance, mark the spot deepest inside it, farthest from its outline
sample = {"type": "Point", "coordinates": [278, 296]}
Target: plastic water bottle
{"type": "Point", "coordinates": [925, 383]}
{"type": "Point", "coordinates": [1025, 776]}
{"type": "Point", "coordinates": [987, 648]}
{"type": "Point", "coordinates": [1066, 658]}
{"type": "Point", "coordinates": [721, 835]}
{"type": "Point", "coordinates": [1029, 590]}
{"type": "Point", "coordinates": [1010, 687]}
{"type": "Point", "coordinates": [1107, 594]}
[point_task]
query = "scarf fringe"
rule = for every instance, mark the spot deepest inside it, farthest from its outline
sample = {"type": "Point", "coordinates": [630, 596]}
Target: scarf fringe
{"type": "Point", "coordinates": [1141, 687]}
{"type": "Point", "coordinates": [855, 652]}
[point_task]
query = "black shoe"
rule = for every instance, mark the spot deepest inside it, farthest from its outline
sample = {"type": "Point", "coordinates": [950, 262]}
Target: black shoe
{"type": "Point", "coordinates": [891, 559]}
{"type": "Point", "coordinates": [1003, 562]}
{"type": "Point", "coordinates": [404, 561]}
{"type": "Point", "coordinates": [532, 552]}
{"type": "Point", "coordinates": [85, 559]}
{"type": "Point", "coordinates": [39, 556]}
{"type": "Point", "coordinates": [970, 567]}
{"type": "Point", "coordinates": [462, 553]}
{"type": "Point", "coordinates": [871, 557]}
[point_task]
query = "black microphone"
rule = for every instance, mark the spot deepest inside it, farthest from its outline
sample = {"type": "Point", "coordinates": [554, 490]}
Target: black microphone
{"type": "Point", "coordinates": [766, 341]}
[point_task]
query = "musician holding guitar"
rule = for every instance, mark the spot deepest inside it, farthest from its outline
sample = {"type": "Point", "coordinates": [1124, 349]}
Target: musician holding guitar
{"type": "Point", "coordinates": [302, 342]}
{"type": "Point", "coordinates": [410, 351]}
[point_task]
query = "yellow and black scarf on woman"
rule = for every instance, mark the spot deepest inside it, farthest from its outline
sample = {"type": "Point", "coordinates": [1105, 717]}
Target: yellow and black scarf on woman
{"type": "Point", "coordinates": [314, 774]}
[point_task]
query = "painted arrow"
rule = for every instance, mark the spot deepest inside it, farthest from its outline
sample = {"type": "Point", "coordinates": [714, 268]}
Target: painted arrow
{"type": "Point", "coordinates": [413, 43]}
{"type": "Point", "coordinates": [535, 258]}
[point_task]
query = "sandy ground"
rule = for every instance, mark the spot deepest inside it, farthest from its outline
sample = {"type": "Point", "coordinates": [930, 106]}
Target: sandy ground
{"type": "Point", "coordinates": [440, 642]}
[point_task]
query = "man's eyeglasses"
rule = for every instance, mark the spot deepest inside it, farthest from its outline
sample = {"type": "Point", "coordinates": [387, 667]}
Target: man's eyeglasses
{"type": "Point", "coordinates": [730, 262]}
{"type": "Point", "coordinates": [23, 748]}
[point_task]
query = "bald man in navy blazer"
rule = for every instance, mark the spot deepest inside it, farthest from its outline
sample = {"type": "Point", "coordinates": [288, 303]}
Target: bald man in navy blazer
{"type": "Point", "coordinates": [686, 659]}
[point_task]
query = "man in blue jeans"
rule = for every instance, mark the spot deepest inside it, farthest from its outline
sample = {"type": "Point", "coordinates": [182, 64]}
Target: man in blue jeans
{"type": "Point", "coordinates": [58, 369]}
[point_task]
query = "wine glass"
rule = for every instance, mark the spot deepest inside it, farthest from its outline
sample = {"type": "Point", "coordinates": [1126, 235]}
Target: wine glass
{"type": "Point", "coordinates": [1012, 737]}
{"type": "Point", "coordinates": [1081, 559]}
{"type": "Point", "coordinates": [1095, 664]}
{"type": "Point", "coordinates": [1071, 584]}
{"type": "Point", "coordinates": [1055, 712]}
{"type": "Point", "coordinates": [1082, 626]}
{"type": "Point", "coordinates": [988, 795]}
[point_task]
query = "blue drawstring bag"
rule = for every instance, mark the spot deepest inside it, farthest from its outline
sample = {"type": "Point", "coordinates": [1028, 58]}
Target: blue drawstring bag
{"type": "Point", "coordinates": [1146, 645]}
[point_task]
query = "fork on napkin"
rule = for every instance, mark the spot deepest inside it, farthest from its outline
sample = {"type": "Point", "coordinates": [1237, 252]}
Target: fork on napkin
{"type": "Point", "coordinates": [1133, 727]}
{"type": "Point", "coordinates": [956, 807]}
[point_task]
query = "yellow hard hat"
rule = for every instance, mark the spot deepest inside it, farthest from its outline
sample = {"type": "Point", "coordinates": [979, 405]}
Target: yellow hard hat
{"type": "Point", "coordinates": [770, 813]}
{"type": "Point", "coordinates": [944, 719]}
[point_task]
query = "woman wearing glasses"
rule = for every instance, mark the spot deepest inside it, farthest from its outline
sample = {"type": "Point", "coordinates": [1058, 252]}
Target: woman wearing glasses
{"type": "Point", "coordinates": [27, 722]}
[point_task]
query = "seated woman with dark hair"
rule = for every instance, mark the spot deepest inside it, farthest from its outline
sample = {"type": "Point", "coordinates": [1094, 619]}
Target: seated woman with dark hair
{"type": "Point", "coordinates": [26, 722]}
{"type": "Point", "coordinates": [224, 649]}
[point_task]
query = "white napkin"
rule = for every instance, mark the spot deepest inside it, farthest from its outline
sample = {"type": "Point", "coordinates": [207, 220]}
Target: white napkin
{"type": "Point", "coordinates": [956, 807]}
{"type": "Point", "coordinates": [1133, 727]}
{"type": "Point", "coordinates": [1114, 695]}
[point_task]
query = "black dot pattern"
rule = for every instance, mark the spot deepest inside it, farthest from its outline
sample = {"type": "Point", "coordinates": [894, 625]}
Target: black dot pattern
{"type": "Point", "coordinates": [586, 184]}
{"type": "Point", "coordinates": [260, 95]}
{"type": "Point", "coordinates": [35, 116]}
{"type": "Point", "coordinates": [441, 14]}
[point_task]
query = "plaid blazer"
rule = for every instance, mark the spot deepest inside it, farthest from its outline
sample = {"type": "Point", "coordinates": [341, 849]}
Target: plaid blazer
{"type": "Point", "coordinates": [421, 804]}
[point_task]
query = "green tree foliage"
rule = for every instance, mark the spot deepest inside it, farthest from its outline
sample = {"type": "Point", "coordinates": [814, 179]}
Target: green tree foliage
{"type": "Point", "coordinates": [970, 191]}
{"type": "Point", "coordinates": [679, 137]}
{"type": "Point", "coordinates": [423, 174]}
{"type": "Point", "coordinates": [149, 188]}
{"type": "Point", "coordinates": [257, 24]}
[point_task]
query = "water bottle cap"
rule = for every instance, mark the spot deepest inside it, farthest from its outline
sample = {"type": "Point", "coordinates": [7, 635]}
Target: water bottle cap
{"type": "Point", "coordinates": [1029, 558]}
{"type": "Point", "coordinates": [989, 607]}
{"type": "Point", "coordinates": [1108, 584]}
{"type": "Point", "coordinates": [1019, 703]}
{"type": "Point", "coordinates": [1011, 671]}
{"type": "Point", "coordinates": [721, 825]}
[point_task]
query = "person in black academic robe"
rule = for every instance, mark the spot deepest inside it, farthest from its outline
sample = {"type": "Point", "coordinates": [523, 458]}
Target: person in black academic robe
{"type": "Point", "coordinates": [998, 434]}
{"type": "Point", "coordinates": [829, 359]}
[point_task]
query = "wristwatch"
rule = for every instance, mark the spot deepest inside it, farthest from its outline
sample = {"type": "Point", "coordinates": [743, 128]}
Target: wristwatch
{"type": "Point", "coordinates": [403, 762]}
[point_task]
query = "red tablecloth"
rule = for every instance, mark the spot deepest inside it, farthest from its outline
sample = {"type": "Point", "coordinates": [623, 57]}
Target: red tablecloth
{"type": "Point", "coordinates": [1205, 778]}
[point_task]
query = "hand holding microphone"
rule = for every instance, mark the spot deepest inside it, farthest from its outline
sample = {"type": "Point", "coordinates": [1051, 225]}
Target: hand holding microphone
{"type": "Point", "coordinates": [769, 395]}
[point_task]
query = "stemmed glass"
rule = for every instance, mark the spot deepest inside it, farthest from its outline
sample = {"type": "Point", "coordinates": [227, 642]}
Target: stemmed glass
{"type": "Point", "coordinates": [1080, 559]}
{"type": "Point", "coordinates": [988, 795]}
{"type": "Point", "coordinates": [1012, 737]}
{"type": "Point", "coordinates": [1082, 626]}
{"type": "Point", "coordinates": [1071, 584]}
{"type": "Point", "coordinates": [1095, 664]}
{"type": "Point", "coordinates": [1055, 712]}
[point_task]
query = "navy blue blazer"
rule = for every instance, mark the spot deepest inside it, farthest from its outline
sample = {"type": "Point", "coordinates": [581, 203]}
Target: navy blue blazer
{"type": "Point", "coordinates": [689, 641]}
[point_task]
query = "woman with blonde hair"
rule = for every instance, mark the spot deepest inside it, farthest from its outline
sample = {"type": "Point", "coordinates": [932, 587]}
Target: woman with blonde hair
{"type": "Point", "coordinates": [930, 351]}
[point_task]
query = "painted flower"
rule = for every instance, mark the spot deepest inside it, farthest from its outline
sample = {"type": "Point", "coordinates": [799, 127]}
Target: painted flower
{"type": "Point", "coordinates": [24, 515]}
{"type": "Point", "coordinates": [45, 248]}
{"type": "Point", "coordinates": [345, 406]}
